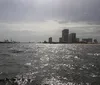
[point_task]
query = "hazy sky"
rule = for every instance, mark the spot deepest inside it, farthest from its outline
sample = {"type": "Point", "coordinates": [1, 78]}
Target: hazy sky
{"type": "Point", "coordinates": [36, 20]}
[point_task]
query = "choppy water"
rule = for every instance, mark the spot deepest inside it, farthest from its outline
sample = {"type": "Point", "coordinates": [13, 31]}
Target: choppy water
{"type": "Point", "coordinates": [48, 64]}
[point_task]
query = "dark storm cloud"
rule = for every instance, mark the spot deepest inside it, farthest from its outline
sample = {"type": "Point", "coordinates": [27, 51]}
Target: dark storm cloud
{"type": "Point", "coordinates": [66, 10]}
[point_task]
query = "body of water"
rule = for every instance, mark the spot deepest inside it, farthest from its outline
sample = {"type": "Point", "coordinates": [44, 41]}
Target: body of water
{"type": "Point", "coordinates": [49, 64]}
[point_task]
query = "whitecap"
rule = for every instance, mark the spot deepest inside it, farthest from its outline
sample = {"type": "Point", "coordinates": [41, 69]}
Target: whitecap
{"type": "Point", "coordinates": [28, 64]}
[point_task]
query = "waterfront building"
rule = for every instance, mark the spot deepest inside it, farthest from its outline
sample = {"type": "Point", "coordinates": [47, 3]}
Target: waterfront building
{"type": "Point", "coordinates": [87, 40]}
{"type": "Point", "coordinates": [50, 40]}
{"type": "Point", "coordinates": [69, 38]}
{"type": "Point", "coordinates": [45, 41]}
{"type": "Point", "coordinates": [72, 38]}
{"type": "Point", "coordinates": [60, 40]}
{"type": "Point", "coordinates": [65, 34]}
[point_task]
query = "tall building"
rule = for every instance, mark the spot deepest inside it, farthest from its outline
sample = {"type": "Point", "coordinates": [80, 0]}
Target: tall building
{"type": "Point", "coordinates": [65, 34]}
{"type": "Point", "coordinates": [72, 38]}
{"type": "Point", "coordinates": [60, 40]}
{"type": "Point", "coordinates": [50, 40]}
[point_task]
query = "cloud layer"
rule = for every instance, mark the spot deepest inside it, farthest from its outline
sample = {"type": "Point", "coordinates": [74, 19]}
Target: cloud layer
{"type": "Point", "coordinates": [67, 10]}
{"type": "Point", "coordinates": [47, 17]}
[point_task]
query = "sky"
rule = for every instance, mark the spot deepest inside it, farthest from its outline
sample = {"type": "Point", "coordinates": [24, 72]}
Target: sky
{"type": "Point", "coordinates": [36, 20]}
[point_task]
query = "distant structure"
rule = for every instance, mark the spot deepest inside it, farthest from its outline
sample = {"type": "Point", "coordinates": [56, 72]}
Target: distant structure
{"type": "Point", "coordinates": [60, 40]}
{"type": "Point", "coordinates": [8, 41]}
{"type": "Point", "coordinates": [87, 40]}
{"type": "Point", "coordinates": [45, 41]}
{"type": "Point", "coordinates": [72, 38]}
{"type": "Point", "coordinates": [50, 40]}
{"type": "Point", "coordinates": [65, 34]}
{"type": "Point", "coordinates": [95, 41]}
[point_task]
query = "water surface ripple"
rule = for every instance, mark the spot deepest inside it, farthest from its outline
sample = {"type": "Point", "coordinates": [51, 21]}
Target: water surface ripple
{"type": "Point", "coordinates": [49, 64]}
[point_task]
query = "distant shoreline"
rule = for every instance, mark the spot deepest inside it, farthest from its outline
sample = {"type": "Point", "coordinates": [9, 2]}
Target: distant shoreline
{"type": "Point", "coordinates": [51, 43]}
{"type": "Point", "coordinates": [8, 42]}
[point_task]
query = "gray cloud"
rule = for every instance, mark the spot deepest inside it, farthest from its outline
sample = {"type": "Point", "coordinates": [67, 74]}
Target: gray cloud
{"type": "Point", "coordinates": [82, 10]}
{"type": "Point", "coordinates": [67, 10]}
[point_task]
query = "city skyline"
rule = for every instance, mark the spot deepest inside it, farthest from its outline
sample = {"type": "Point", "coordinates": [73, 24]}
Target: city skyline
{"type": "Point", "coordinates": [68, 37]}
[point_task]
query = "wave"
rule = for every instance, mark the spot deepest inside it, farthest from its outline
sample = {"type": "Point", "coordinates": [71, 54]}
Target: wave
{"type": "Point", "coordinates": [16, 51]}
{"type": "Point", "coordinates": [45, 81]}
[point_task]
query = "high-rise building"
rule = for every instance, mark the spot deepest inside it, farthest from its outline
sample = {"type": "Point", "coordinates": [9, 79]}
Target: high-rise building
{"type": "Point", "coordinates": [60, 40]}
{"type": "Point", "coordinates": [50, 40]}
{"type": "Point", "coordinates": [69, 38]}
{"type": "Point", "coordinates": [65, 34]}
{"type": "Point", "coordinates": [72, 38]}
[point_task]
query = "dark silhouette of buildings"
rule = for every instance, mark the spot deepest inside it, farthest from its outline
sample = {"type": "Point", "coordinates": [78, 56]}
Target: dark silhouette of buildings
{"type": "Point", "coordinates": [50, 40]}
{"type": "Point", "coordinates": [8, 41]}
{"type": "Point", "coordinates": [95, 41]}
{"type": "Point", "coordinates": [45, 41]}
{"type": "Point", "coordinates": [87, 40]}
{"type": "Point", "coordinates": [72, 38]}
{"type": "Point", "coordinates": [65, 34]}
{"type": "Point", "coordinates": [60, 40]}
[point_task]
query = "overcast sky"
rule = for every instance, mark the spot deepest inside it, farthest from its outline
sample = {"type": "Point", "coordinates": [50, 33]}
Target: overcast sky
{"type": "Point", "coordinates": [36, 20]}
